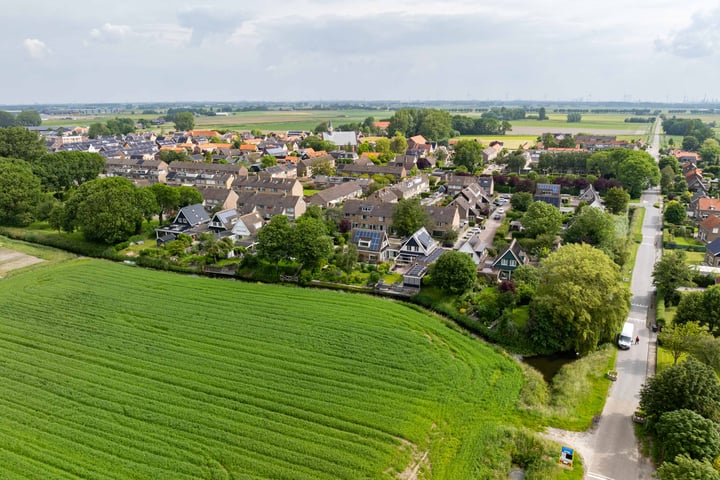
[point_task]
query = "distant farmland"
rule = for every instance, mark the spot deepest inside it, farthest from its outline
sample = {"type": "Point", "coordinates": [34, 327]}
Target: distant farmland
{"type": "Point", "coordinates": [114, 371]}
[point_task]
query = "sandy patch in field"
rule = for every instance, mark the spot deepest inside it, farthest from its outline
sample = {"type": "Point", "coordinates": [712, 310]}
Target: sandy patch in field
{"type": "Point", "coordinates": [12, 260]}
{"type": "Point", "coordinates": [572, 130]}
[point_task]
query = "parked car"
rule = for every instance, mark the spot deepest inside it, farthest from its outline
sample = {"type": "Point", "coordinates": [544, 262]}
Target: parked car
{"type": "Point", "coordinates": [497, 216]}
{"type": "Point", "coordinates": [500, 210]}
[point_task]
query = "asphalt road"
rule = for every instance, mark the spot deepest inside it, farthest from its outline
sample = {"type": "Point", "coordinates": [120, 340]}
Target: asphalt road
{"type": "Point", "coordinates": [611, 451]}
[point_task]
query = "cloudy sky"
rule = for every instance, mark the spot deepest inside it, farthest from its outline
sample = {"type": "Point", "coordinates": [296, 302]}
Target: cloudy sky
{"type": "Point", "coordinates": [232, 50]}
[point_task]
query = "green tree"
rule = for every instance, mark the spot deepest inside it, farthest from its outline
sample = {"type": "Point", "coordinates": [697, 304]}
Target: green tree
{"type": "Point", "coordinates": [409, 216]}
{"type": "Point", "coordinates": [684, 432]}
{"type": "Point", "coordinates": [690, 308]}
{"type": "Point", "coordinates": [274, 240]}
{"type": "Point", "coordinates": [184, 121]}
{"type": "Point", "coordinates": [520, 201]}
{"type": "Point", "coordinates": [346, 258]}
{"type": "Point", "coordinates": [567, 142]}
{"type": "Point", "coordinates": [19, 142]}
{"type": "Point", "coordinates": [706, 348]}
{"type": "Point", "coordinates": [592, 226]}
{"type": "Point", "coordinates": [169, 156]}
{"type": "Point", "coordinates": [28, 118]}
{"type": "Point", "coordinates": [580, 300]}
{"type": "Point", "coordinates": [382, 145]}
{"type": "Point", "coordinates": [323, 166]}
{"type": "Point", "coordinates": [674, 212]}
{"type": "Point", "coordinates": [616, 200]}
{"type": "Point", "coordinates": [679, 339]}
{"type": "Point", "coordinates": [268, 161]}
{"type": "Point", "coordinates": [121, 126]}
{"type": "Point", "coordinates": [167, 198]}
{"type": "Point", "coordinates": [667, 179]}
{"type": "Point", "coordinates": [20, 192]}
{"type": "Point", "coordinates": [61, 171]}
{"type": "Point", "coordinates": [98, 129]}
{"type": "Point", "coordinates": [147, 203]}
{"type": "Point", "coordinates": [398, 144]}
{"type": "Point", "coordinates": [7, 119]}
{"type": "Point", "coordinates": [711, 307]}
{"type": "Point", "coordinates": [311, 244]}
{"type": "Point", "coordinates": [691, 385]}
{"type": "Point", "coordinates": [542, 115]}
{"type": "Point", "coordinates": [574, 117]}
{"type": "Point", "coordinates": [107, 210]}
{"type": "Point", "coordinates": [434, 124]}
{"type": "Point", "coordinates": [468, 153]}
{"type": "Point", "coordinates": [454, 272]}
{"type": "Point", "coordinates": [515, 161]}
{"type": "Point", "coordinates": [710, 151]}
{"type": "Point", "coordinates": [671, 272]}
{"type": "Point", "coordinates": [402, 121]}
{"type": "Point", "coordinates": [541, 219]}
{"type": "Point", "coordinates": [637, 172]}
{"type": "Point", "coordinates": [690, 143]}
{"type": "Point", "coordinates": [685, 468]}
{"type": "Point", "coordinates": [317, 144]}
{"type": "Point", "coordinates": [188, 196]}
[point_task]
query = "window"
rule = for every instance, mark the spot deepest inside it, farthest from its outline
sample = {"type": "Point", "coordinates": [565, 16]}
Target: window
{"type": "Point", "coordinates": [364, 243]}
{"type": "Point", "coordinates": [503, 262]}
{"type": "Point", "coordinates": [512, 263]}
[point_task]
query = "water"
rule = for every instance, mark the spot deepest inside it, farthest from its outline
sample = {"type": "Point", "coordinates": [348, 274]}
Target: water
{"type": "Point", "coordinates": [550, 365]}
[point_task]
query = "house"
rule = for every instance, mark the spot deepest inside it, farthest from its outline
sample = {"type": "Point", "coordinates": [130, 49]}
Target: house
{"type": "Point", "coordinates": [704, 207]}
{"type": "Point", "coordinates": [487, 183]}
{"type": "Point", "coordinates": [411, 187]}
{"type": "Point", "coordinates": [217, 198]}
{"type": "Point", "coordinates": [548, 193]}
{"type": "Point", "coordinates": [337, 194]}
{"type": "Point", "coordinates": [686, 156]}
{"type": "Point", "coordinates": [342, 139]}
{"type": "Point", "coordinates": [372, 245]}
{"type": "Point", "coordinates": [444, 219]}
{"type": "Point", "coordinates": [284, 170]}
{"type": "Point", "coordinates": [695, 181]}
{"type": "Point", "coordinates": [712, 253]}
{"type": "Point", "coordinates": [371, 169]}
{"type": "Point", "coordinates": [419, 244]}
{"type": "Point", "coordinates": [456, 183]}
{"type": "Point", "coordinates": [256, 183]}
{"type": "Point", "coordinates": [591, 197]}
{"type": "Point", "coordinates": [472, 203]}
{"type": "Point", "coordinates": [305, 166]}
{"type": "Point", "coordinates": [368, 215]}
{"type": "Point", "coordinates": [231, 223]}
{"type": "Point", "coordinates": [417, 142]}
{"type": "Point", "coordinates": [267, 205]}
{"type": "Point", "coordinates": [709, 229]}
{"type": "Point", "coordinates": [190, 220]}
{"type": "Point", "coordinates": [489, 154]}
{"type": "Point", "coordinates": [475, 248]}
{"type": "Point", "coordinates": [510, 259]}
{"type": "Point", "coordinates": [141, 172]}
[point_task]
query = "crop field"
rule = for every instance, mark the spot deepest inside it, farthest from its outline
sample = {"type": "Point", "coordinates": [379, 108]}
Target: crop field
{"type": "Point", "coordinates": [112, 371]}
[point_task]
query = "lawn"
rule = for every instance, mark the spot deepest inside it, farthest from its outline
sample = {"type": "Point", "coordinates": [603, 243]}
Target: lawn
{"type": "Point", "coordinates": [145, 374]}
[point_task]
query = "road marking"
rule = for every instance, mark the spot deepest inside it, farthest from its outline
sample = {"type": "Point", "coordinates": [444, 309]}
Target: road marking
{"type": "Point", "coordinates": [597, 476]}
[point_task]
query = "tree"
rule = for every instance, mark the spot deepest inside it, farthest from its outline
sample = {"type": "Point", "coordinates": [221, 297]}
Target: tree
{"type": "Point", "coordinates": [98, 129]}
{"type": "Point", "coordinates": [684, 432]}
{"type": "Point", "coordinates": [274, 240]}
{"type": "Point", "coordinates": [346, 258]}
{"type": "Point", "coordinates": [311, 244]}
{"type": "Point", "coordinates": [454, 272]}
{"type": "Point", "coordinates": [398, 144]}
{"type": "Point", "coordinates": [674, 213]}
{"type": "Point", "coordinates": [166, 197]}
{"type": "Point", "coordinates": [121, 126]}
{"type": "Point", "coordinates": [710, 151]}
{"type": "Point", "coordinates": [7, 119]}
{"type": "Point", "coordinates": [107, 210]}
{"type": "Point", "coordinates": [323, 166]}
{"type": "Point", "coordinates": [188, 196]}
{"type": "Point", "coordinates": [468, 153]}
{"type": "Point", "coordinates": [541, 218]}
{"type": "Point", "coordinates": [147, 203]}
{"type": "Point", "coordinates": [542, 115]}
{"type": "Point", "coordinates": [691, 385]}
{"type": "Point", "coordinates": [28, 118]}
{"type": "Point", "coordinates": [169, 156]}
{"type": "Point", "coordinates": [515, 161]}
{"type": "Point", "coordinates": [671, 272]}
{"type": "Point", "coordinates": [616, 200]}
{"type": "Point", "coordinates": [434, 124]}
{"type": "Point", "coordinates": [61, 171]}
{"type": "Point", "coordinates": [690, 143]}
{"type": "Point", "coordinates": [402, 121]}
{"type": "Point", "coordinates": [382, 145]}
{"type": "Point", "coordinates": [409, 216]}
{"type": "Point", "coordinates": [706, 348]}
{"type": "Point", "coordinates": [574, 117]}
{"type": "Point", "coordinates": [580, 301]}
{"type": "Point", "coordinates": [520, 201]}
{"type": "Point", "coordinates": [268, 161]}
{"type": "Point", "coordinates": [667, 178]}
{"type": "Point", "coordinates": [20, 192]}
{"type": "Point", "coordinates": [317, 144]}
{"type": "Point", "coordinates": [184, 121]}
{"type": "Point", "coordinates": [637, 172]}
{"type": "Point", "coordinates": [592, 226]}
{"type": "Point", "coordinates": [19, 142]}
{"type": "Point", "coordinates": [711, 308]}
{"type": "Point", "coordinates": [685, 468]}
{"type": "Point", "coordinates": [679, 339]}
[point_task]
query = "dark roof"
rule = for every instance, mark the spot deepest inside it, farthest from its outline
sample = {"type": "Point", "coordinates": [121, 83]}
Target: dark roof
{"type": "Point", "coordinates": [551, 188]}
{"type": "Point", "coordinates": [714, 247]}
{"type": "Point", "coordinates": [376, 238]}
{"type": "Point", "coordinates": [195, 214]}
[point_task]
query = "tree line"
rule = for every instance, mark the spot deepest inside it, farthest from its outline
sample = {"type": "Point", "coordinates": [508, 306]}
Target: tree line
{"type": "Point", "coordinates": [25, 118]}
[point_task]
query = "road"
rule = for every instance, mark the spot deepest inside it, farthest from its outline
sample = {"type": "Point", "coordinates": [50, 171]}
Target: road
{"type": "Point", "coordinates": [611, 451]}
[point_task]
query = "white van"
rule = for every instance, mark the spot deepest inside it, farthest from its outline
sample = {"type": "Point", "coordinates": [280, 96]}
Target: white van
{"type": "Point", "coordinates": [626, 336]}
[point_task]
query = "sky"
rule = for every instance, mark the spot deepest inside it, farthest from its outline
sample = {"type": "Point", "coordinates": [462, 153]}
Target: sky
{"type": "Point", "coordinates": [93, 51]}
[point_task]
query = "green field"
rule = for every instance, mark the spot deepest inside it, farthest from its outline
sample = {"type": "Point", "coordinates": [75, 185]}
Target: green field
{"type": "Point", "coordinates": [113, 371]}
